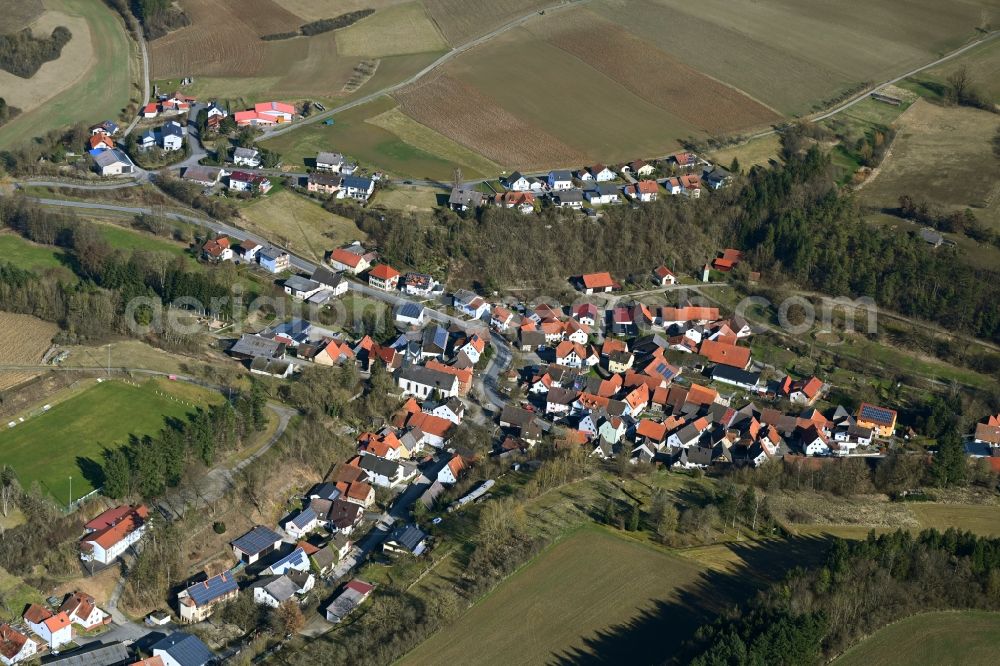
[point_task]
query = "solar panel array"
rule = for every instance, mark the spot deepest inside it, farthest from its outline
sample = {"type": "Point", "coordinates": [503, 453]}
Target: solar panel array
{"type": "Point", "coordinates": [256, 540]}
{"type": "Point", "coordinates": [876, 414]}
{"type": "Point", "coordinates": [213, 588]}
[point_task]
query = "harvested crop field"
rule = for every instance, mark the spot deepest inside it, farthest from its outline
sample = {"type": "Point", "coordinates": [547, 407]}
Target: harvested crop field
{"type": "Point", "coordinates": [557, 606]}
{"type": "Point", "coordinates": [265, 17]}
{"type": "Point", "coordinates": [422, 137]}
{"type": "Point", "coordinates": [962, 638]}
{"type": "Point", "coordinates": [313, 10]}
{"type": "Point", "coordinates": [462, 20]}
{"type": "Point", "coordinates": [467, 115]}
{"type": "Point", "coordinates": [941, 155]}
{"type": "Point", "coordinates": [25, 339]}
{"type": "Point", "coordinates": [792, 55]}
{"type": "Point", "coordinates": [656, 76]}
{"type": "Point", "coordinates": [217, 43]}
{"type": "Point", "coordinates": [19, 15]}
{"type": "Point", "coordinates": [397, 30]}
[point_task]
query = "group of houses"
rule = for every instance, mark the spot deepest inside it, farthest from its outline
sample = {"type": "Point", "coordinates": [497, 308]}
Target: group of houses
{"type": "Point", "coordinates": [236, 180]}
{"type": "Point", "coordinates": [338, 177]}
{"type": "Point", "coordinates": [173, 104]}
{"type": "Point", "coordinates": [109, 160]}
{"type": "Point", "coordinates": [265, 114]}
{"type": "Point", "coordinates": [598, 185]}
{"type": "Point", "coordinates": [272, 259]}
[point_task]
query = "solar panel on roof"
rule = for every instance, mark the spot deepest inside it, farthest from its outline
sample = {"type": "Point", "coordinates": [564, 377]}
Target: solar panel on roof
{"type": "Point", "coordinates": [876, 414]}
{"type": "Point", "coordinates": [213, 588]}
{"type": "Point", "coordinates": [257, 540]}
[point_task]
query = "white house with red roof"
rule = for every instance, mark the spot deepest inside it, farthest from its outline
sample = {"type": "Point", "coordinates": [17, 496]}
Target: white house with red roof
{"type": "Point", "coordinates": [590, 283]}
{"type": "Point", "coordinates": [15, 647]}
{"type": "Point", "coordinates": [351, 259]}
{"type": "Point", "coordinates": [243, 181]}
{"type": "Point", "coordinates": [449, 473]}
{"type": "Point", "coordinates": [81, 608]}
{"type": "Point", "coordinates": [54, 628]}
{"type": "Point", "coordinates": [663, 276]}
{"type": "Point", "coordinates": [217, 249]}
{"type": "Point", "coordinates": [644, 190]}
{"type": "Point", "coordinates": [112, 533]}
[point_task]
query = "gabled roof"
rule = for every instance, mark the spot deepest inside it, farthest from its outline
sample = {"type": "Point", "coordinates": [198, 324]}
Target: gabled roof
{"type": "Point", "coordinates": [384, 272]}
{"type": "Point", "coordinates": [346, 257]}
{"type": "Point", "coordinates": [185, 649]}
{"type": "Point", "coordinates": [280, 107]}
{"type": "Point", "coordinates": [597, 280]}
{"type": "Point", "coordinates": [725, 354]}
{"type": "Point", "coordinates": [117, 524]}
{"type": "Point", "coordinates": [214, 588]}
{"type": "Point", "coordinates": [11, 641]}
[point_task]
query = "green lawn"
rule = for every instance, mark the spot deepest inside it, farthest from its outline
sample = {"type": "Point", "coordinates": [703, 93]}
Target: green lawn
{"type": "Point", "coordinates": [100, 94]}
{"type": "Point", "coordinates": [121, 238]}
{"type": "Point", "coordinates": [371, 145]}
{"type": "Point", "coordinates": [585, 585]}
{"type": "Point", "coordinates": [966, 638]}
{"type": "Point", "coordinates": [27, 255]}
{"type": "Point", "coordinates": [68, 439]}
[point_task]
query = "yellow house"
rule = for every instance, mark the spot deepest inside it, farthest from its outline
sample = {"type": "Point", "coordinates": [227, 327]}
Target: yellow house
{"type": "Point", "coordinates": [880, 419]}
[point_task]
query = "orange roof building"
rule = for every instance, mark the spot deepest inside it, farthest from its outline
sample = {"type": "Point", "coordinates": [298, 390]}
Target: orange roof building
{"type": "Point", "coordinates": [592, 282]}
{"type": "Point", "coordinates": [113, 532]}
{"type": "Point", "coordinates": [725, 354]}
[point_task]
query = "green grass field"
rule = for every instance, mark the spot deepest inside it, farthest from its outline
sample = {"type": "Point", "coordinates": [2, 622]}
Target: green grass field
{"type": "Point", "coordinates": [967, 638]}
{"type": "Point", "coordinates": [589, 582]}
{"type": "Point", "coordinates": [363, 141]}
{"type": "Point", "coordinates": [68, 439]}
{"type": "Point", "coordinates": [121, 238]}
{"type": "Point", "coordinates": [29, 256]}
{"type": "Point", "coordinates": [102, 93]}
{"type": "Point", "coordinates": [982, 64]}
{"type": "Point", "coordinates": [301, 224]}
{"type": "Point", "coordinates": [981, 519]}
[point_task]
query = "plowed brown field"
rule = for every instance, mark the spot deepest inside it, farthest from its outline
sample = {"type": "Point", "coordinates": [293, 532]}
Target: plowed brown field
{"type": "Point", "coordinates": [475, 120]}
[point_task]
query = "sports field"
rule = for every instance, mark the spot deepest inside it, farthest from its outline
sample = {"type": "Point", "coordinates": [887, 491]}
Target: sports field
{"type": "Point", "coordinates": [590, 582]}
{"type": "Point", "coordinates": [68, 439]}
{"type": "Point", "coordinates": [90, 81]}
{"type": "Point", "coordinates": [300, 224]}
{"type": "Point", "coordinates": [966, 638]}
{"type": "Point", "coordinates": [942, 155]}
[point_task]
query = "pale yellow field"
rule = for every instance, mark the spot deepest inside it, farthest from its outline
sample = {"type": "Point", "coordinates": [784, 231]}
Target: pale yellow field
{"type": "Point", "coordinates": [25, 341]}
{"type": "Point", "coordinates": [409, 198]}
{"type": "Point", "coordinates": [53, 77]}
{"type": "Point", "coordinates": [397, 30]}
{"type": "Point", "coordinates": [313, 10]}
{"type": "Point", "coordinates": [426, 139]}
{"type": "Point", "coordinates": [299, 224]}
{"type": "Point", "coordinates": [754, 152]}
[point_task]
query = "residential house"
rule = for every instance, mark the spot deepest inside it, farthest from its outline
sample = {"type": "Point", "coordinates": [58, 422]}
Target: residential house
{"type": "Point", "coordinates": [470, 304]}
{"type": "Point", "coordinates": [301, 288]}
{"type": "Point", "coordinates": [112, 532]}
{"type": "Point", "coordinates": [354, 594]}
{"type": "Point", "coordinates": [725, 353]}
{"type": "Point", "coordinates": [450, 473]}
{"type": "Point", "coordinates": [217, 249]}
{"type": "Point", "coordinates": [203, 175]}
{"type": "Point", "coordinates": [384, 277]}
{"type": "Point", "coordinates": [463, 198]}
{"type": "Point", "coordinates": [451, 409]}
{"type": "Point", "coordinates": [411, 314]}
{"type": "Point", "coordinates": [673, 186]}
{"type": "Point", "coordinates": [434, 342]}
{"type": "Point", "coordinates": [197, 602]}
{"type": "Point", "coordinates": [275, 590]}
{"type": "Point", "coordinates": [691, 186]}
{"type": "Point", "coordinates": [244, 181]}
{"type": "Point", "coordinates": [53, 628]}
{"type": "Point", "coordinates": [568, 198]}
{"type": "Point", "coordinates": [988, 431]}
{"type": "Point", "coordinates": [570, 354]}
{"type": "Point", "coordinates": [150, 110]}
{"type": "Point", "coordinates": [421, 382]}
{"type": "Point", "coordinates": [355, 187]}
{"type": "Point", "coordinates": [663, 276]}
{"type": "Point", "coordinates": [728, 260]}
{"type": "Point", "coordinates": [602, 194]}
{"type": "Point", "coordinates": [814, 442]}
{"type": "Point", "coordinates": [384, 472]}
{"type": "Point", "coordinates": [727, 374]}
{"type": "Point", "coordinates": [330, 281]}
{"type": "Point", "coordinates": [302, 523]}
{"type": "Point", "coordinates": [639, 168]}
{"type": "Point", "coordinates": [880, 419]}
{"type": "Point", "coordinates": [329, 162]}
{"type": "Point", "coordinates": [106, 127]}
{"type": "Point", "coordinates": [601, 173]}
{"type": "Point", "coordinates": [82, 610]}
{"type": "Point", "coordinates": [172, 136]}
{"type": "Point", "coordinates": [324, 183]}
{"type": "Point", "coordinates": [419, 284]}
{"type": "Point", "coordinates": [804, 391]}
{"type": "Point", "coordinates": [474, 348]}
{"type": "Point", "coordinates": [258, 542]}
{"type": "Point", "coordinates": [501, 318]}
{"type": "Point", "coordinates": [408, 539]}
{"type": "Point", "coordinates": [560, 180]}
{"type": "Point", "coordinates": [15, 647]}
{"type": "Point", "coordinates": [278, 111]}
{"type": "Point", "coordinates": [113, 162]}
{"type": "Point", "coordinates": [586, 313]}
{"type": "Point", "coordinates": [717, 177]}
{"type": "Point", "coordinates": [296, 560]}
{"type": "Point", "coordinates": [248, 157]}
{"type": "Point", "coordinates": [351, 259]}
{"type": "Point", "coordinates": [524, 202]}
{"type": "Point", "coordinates": [685, 160]}
{"type": "Point", "coordinates": [274, 260]}
{"type": "Point", "coordinates": [591, 283]}
{"type": "Point", "coordinates": [101, 142]}
{"type": "Point", "coordinates": [181, 649]}
{"type": "Point", "coordinates": [644, 190]}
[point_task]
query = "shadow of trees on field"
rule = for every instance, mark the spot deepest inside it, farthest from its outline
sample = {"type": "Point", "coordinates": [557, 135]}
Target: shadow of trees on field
{"type": "Point", "coordinates": [657, 635]}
